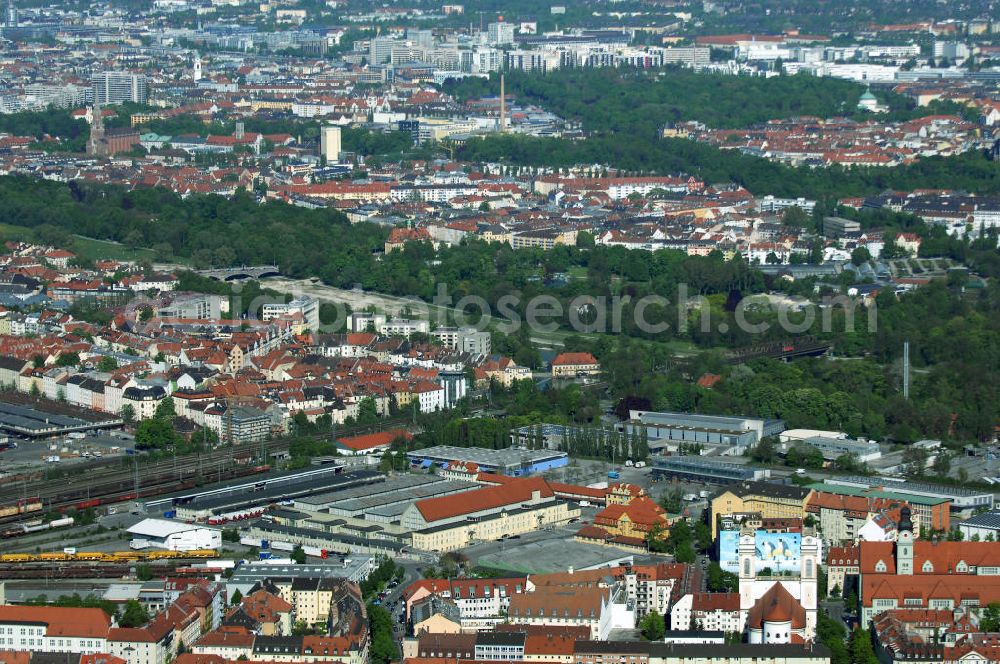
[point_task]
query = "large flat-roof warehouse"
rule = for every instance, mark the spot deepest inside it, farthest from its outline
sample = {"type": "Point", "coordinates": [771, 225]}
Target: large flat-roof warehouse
{"type": "Point", "coordinates": [265, 492]}
{"type": "Point", "coordinates": [384, 501]}
{"type": "Point", "coordinates": [511, 461]}
{"type": "Point", "coordinates": [176, 535]}
{"type": "Point", "coordinates": [32, 422]}
{"type": "Point", "coordinates": [737, 433]}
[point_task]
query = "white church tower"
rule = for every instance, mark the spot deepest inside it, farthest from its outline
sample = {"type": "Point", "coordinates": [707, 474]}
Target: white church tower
{"type": "Point", "coordinates": [747, 549]}
{"type": "Point", "coordinates": [904, 544]}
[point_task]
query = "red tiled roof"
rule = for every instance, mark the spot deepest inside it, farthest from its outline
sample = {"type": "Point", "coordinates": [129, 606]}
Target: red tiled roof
{"type": "Point", "coordinates": [60, 621]}
{"type": "Point", "coordinates": [777, 605]}
{"type": "Point", "coordinates": [943, 556]}
{"type": "Point", "coordinates": [715, 602]}
{"type": "Point", "coordinates": [494, 497]}
{"type": "Point", "coordinates": [373, 440]}
{"type": "Point", "coordinates": [573, 359]}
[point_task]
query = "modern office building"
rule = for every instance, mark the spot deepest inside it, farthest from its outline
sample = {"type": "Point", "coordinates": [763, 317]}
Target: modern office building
{"type": "Point", "coordinates": [511, 461]}
{"type": "Point", "coordinates": [192, 305]}
{"type": "Point", "coordinates": [731, 432]}
{"type": "Point", "coordinates": [838, 226]}
{"type": "Point", "coordinates": [380, 50]}
{"type": "Point", "coordinates": [464, 339]}
{"type": "Point", "coordinates": [308, 307]}
{"type": "Point", "coordinates": [700, 469]}
{"type": "Point", "coordinates": [115, 87]}
{"type": "Point", "coordinates": [329, 142]}
{"type": "Point", "coordinates": [500, 33]}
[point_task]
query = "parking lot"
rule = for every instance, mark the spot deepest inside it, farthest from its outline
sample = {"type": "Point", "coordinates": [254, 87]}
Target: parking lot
{"type": "Point", "coordinates": [35, 454]}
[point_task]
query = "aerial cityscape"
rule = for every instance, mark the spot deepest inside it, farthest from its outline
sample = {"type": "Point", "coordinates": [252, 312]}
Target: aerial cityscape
{"type": "Point", "coordinates": [583, 332]}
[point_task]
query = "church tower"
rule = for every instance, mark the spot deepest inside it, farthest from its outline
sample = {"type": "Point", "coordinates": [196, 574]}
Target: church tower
{"type": "Point", "coordinates": [809, 580]}
{"type": "Point", "coordinates": [747, 574]}
{"type": "Point", "coordinates": [904, 544]}
{"type": "Point", "coordinates": [95, 144]}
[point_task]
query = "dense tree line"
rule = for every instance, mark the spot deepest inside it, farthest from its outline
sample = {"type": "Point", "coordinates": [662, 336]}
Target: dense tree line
{"type": "Point", "coordinates": [645, 153]}
{"type": "Point", "coordinates": [625, 109]}
{"type": "Point", "coordinates": [955, 353]}
{"type": "Point", "coordinates": [952, 330]}
{"type": "Point", "coordinates": [635, 101]}
{"type": "Point", "coordinates": [53, 123]}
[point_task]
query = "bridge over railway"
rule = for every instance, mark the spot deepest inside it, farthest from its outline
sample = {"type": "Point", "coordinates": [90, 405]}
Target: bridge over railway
{"type": "Point", "coordinates": [781, 350]}
{"type": "Point", "coordinates": [242, 272]}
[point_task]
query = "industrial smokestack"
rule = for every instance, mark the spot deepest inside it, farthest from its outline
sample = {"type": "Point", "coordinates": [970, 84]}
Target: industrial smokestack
{"type": "Point", "coordinates": [503, 107]}
{"type": "Point", "coordinates": [906, 370]}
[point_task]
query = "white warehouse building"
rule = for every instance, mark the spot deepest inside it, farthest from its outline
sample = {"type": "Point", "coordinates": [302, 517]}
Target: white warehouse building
{"type": "Point", "coordinates": [175, 535]}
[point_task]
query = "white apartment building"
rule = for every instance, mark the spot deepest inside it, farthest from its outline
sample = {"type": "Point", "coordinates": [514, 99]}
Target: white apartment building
{"type": "Point", "coordinates": [53, 629]}
{"type": "Point", "coordinates": [402, 327]}
{"type": "Point", "coordinates": [308, 307]}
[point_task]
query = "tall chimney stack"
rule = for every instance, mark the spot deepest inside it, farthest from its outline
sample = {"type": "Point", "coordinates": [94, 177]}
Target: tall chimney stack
{"type": "Point", "coordinates": [503, 107]}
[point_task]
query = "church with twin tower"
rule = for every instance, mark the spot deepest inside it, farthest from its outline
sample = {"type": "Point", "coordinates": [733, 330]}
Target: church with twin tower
{"type": "Point", "coordinates": [775, 608]}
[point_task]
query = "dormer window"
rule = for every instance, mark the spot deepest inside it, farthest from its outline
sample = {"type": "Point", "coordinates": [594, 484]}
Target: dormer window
{"type": "Point", "coordinates": [928, 568]}
{"type": "Point", "coordinates": [961, 567]}
{"type": "Point", "coordinates": [880, 566]}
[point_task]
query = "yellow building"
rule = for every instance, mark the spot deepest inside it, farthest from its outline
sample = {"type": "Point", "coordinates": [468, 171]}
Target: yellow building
{"type": "Point", "coordinates": [516, 521]}
{"type": "Point", "coordinates": [623, 493]}
{"type": "Point", "coordinates": [575, 364]}
{"type": "Point", "coordinates": [546, 238]}
{"type": "Point", "coordinates": [437, 624]}
{"type": "Point", "coordinates": [495, 233]}
{"type": "Point", "coordinates": [770, 500]}
{"type": "Point", "coordinates": [519, 506]}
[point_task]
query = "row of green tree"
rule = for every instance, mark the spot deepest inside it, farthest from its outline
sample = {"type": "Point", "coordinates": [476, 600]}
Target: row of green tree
{"type": "Point", "coordinates": [637, 101]}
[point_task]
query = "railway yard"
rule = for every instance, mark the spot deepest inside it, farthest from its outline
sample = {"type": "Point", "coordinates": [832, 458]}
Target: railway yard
{"type": "Point", "coordinates": [73, 520]}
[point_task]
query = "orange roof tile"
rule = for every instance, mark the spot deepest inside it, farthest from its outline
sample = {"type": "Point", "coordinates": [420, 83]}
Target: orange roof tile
{"type": "Point", "coordinates": [60, 621]}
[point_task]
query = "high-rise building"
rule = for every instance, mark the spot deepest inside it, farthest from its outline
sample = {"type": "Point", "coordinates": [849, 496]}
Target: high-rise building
{"type": "Point", "coordinates": [115, 87]}
{"type": "Point", "coordinates": [420, 38]}
{"type": "Point", "coordinates": [380, 50]}
{"type": "Point", "coordinates": [329, 144]}
{"type": "Point", "coordinates": [501, 33]}
{"type": "Point", "coordinates": [10, 19]}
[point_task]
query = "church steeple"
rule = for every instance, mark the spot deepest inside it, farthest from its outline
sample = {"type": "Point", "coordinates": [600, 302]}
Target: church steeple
{"type": "Point", "coordinates": [904, 543]}
{"type": "Point", "coordinates": [96, 141]}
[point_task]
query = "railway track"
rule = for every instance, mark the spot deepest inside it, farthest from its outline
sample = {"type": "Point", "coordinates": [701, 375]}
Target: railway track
{"type": "Point", "coordinates": [155, 478]}
{"type": "Point", "coordinates": [81, 570]}
{"type": "Point", "coordinates": [61, 498]}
